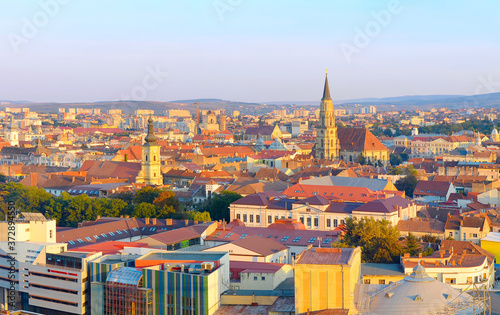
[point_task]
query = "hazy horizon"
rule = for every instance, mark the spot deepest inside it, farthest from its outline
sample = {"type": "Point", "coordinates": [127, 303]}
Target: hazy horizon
{"type": "Point", "coordinates": [255, 52]}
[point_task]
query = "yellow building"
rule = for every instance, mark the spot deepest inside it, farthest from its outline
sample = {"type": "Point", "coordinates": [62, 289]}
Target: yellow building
{"type": "Point", "coordinates": [491, 243]}
{"type": "Point", "coordinates": [150, 173]}
{"type": "Point", "coordinates": [325, 279]}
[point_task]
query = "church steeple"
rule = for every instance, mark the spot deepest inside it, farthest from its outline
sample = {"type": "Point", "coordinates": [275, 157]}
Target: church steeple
{"type": "Point", "coordinates": [150, 136]}
{"type": "Point", "coordinates": [327, 143]}
{"type": "Point", "coordinates": [326, 91]}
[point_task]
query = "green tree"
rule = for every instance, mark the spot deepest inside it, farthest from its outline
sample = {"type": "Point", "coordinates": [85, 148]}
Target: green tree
{"type": "Point", "coordinates": [145, 210]}
{"type": "Point", "coordinates": [428, 251]}
{"type": "Point", "coordinates": [378, 239]}
{"type": "Point", "coordinates": [430, 239]}
{"type": "Point", "coordinates": [219, 205]}
{"type": "Point", "coordinates": [147, 194]}
{"type": "Point", "coordinates": [395, 159]}
{"type": "Point", "coordinates": [199, 216]}
{"type": "Point", "coordinates": [407, 184]}
{"type": "Point", "coordinates": [361, 159]}
{"type": "Point", "coordinates": [412, 245]}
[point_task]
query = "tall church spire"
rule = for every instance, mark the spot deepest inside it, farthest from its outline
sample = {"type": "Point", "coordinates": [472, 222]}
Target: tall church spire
{"type": "Point", "coordinates": [326, 91]}
{"type": "Point", "coordinates": [150, 136]}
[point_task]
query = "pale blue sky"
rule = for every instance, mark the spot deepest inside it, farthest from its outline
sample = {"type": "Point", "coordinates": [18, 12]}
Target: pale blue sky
{"type": "Point", "coordinates": [256, 51]}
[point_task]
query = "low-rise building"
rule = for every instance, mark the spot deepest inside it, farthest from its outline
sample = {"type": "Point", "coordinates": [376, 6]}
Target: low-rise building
{"type": "Point", "coordinates": [459, 263]}
{"type": "Point", "coordinates": [325, 278]}
{"type": "Point", "coordinates": [464, 228]}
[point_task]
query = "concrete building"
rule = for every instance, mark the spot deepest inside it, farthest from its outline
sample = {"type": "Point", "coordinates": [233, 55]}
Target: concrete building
{"type": "Point", "coordinates": [325, 278]}
{"type": "Point", "coordinates": [47, 278]}
{"type": "Point", "coordinates": [29, 227]}
{"type": "Point", "coordinates": [159, 282]}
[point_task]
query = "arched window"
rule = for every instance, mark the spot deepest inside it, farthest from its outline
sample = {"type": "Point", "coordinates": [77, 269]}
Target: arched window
{"type": "Point", "coordinates": [322, 143]}
{"type": "Point", "coordinates": [332, 143]}
{"type": "Point", "coordinates": [154, 158]}
{"type": "Point", "coordinates": [146, 158]}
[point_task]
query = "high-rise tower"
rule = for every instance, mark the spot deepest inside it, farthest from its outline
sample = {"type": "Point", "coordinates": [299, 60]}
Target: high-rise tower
{"type": "Point", "coordinates": [327, 142]}
{"type": "Point", "coordinates": [151, 166]}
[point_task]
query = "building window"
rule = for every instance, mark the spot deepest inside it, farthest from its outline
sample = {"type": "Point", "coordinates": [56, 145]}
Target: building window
{"type": "Point", "coordinates": [342, 222]}
{"type": "Point", "coordinates": [316, 222]}
{"type": "Point", "coordinates": [251, 218]}
{"type": "Point", "coordinates": [381, 281]}
{"type": "Point", "coordinates": [255, 278]}
{"type": "Point", "coordinates": [451, 234]}
{"type": "Point", "coordinates": [263, 278]}
{"type": "Point", "coordinates": [328, 222]}
{"type": "Point", "coordinates": [269, 219]}
{"type": "Point", "coordinates": [309, 221]}
{"type": "Point", "coordinates": [244, 218]}
{"type": "Point", "coordinates": [257, 218]}
{"type": "Point", "coordinates": [366, 281]}
{"type": "Point", "coordinates": [50, 234]}
{"type": "Point", "coordinates": [335, 223]}
{"type": "Point", "coordinates": [302, 220]}
{"type": "Point", "coordinates": [276, 218]}
{"type": "Point", "coordinates": [238, 216]}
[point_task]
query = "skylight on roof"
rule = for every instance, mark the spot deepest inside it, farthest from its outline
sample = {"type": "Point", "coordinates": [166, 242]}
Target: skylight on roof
{"type": "Point", "coordinates": [228, 235]}
{"type": "Point", "coordinates": [297, 238]}
{"type": "Point", "coordinates": [71, 242]}
{"type": "Point", "coordinates": [284, 239]}
{"type": "Point", "coordinates": [111, 233]}
{"type": "Point", "coordinates": [243, 236]}
{"type": "Point", "coordinates": [79, 240]}
{"type": "Point", "coordinates": [327, 240]}
{"type": "Point", "coordinates": [88, 238]}
{"type": "Point", "coordinates": [312, 240]}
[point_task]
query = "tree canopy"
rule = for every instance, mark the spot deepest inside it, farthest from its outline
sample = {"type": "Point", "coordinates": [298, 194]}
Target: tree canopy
{"type": "Point", "coordinates": [378, 239]}
{"type": "Point", "coordinates": [218, 206]}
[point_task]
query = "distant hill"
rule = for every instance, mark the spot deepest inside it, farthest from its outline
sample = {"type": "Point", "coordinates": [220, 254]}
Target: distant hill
{"type": "Point", "coordinates": [387, 103]}
{"type": "Point", "coordinates": [430, 101]}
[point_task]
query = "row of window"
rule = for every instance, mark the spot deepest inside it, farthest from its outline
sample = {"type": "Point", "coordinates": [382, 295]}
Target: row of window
{"type": "Point", "coordinates": [250, 218]}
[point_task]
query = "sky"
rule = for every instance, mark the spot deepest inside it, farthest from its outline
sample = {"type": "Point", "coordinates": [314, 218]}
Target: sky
{"type": "Point", "coordinates": [246, 50]}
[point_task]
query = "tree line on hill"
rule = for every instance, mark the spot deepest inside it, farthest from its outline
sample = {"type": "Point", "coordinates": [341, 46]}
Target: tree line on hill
{"type": "Point", "coordinates": [148, 202]}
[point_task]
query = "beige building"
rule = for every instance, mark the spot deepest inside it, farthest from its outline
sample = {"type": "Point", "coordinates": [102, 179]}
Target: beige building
{"type": "Point", "coordinates": [150, 173]}
{"type": "Point", "coordinates": [458, 263]}
{"type": "Point", "coordinates": [29, 226]}
{"type": "Point", "coordinates": [462, 228]}
{"type": "Point", "coordinates": [325, 278]}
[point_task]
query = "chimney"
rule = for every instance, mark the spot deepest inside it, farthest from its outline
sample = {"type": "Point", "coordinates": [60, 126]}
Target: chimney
{"type": "Point", "coordinates": [186, 222]}
{"type": "Point", "coordinates": [98, 217]}
{"type": "Point", "coordinates": [169, 221]}
{"type": "Point", "coordinates": [154, 221]}
{"type": "Point", "coordinates": [34, 179]}
{"type": "Point", "coordinates": [441, 254]}
{"type": "Point", "coordinates": [127, 216]}
{"type": "Point", "coordinates": [73, 179]}
{"type": "Point", "coordinates": [419, 255]}
{"type": "Point", "coordinates": [147, 221]}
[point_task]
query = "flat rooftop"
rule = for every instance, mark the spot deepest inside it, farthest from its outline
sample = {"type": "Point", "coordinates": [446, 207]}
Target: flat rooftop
{"type": "Point", "coordinates": [183, 256]}
{"type": "Point", "coordinates": [373, 269]}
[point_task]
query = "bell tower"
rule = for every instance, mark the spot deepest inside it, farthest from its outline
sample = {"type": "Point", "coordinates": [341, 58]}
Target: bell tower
{"type": "Point", "coordinates": [327, 142]}
{"type": "Point", "coordinates": [150, 173]}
